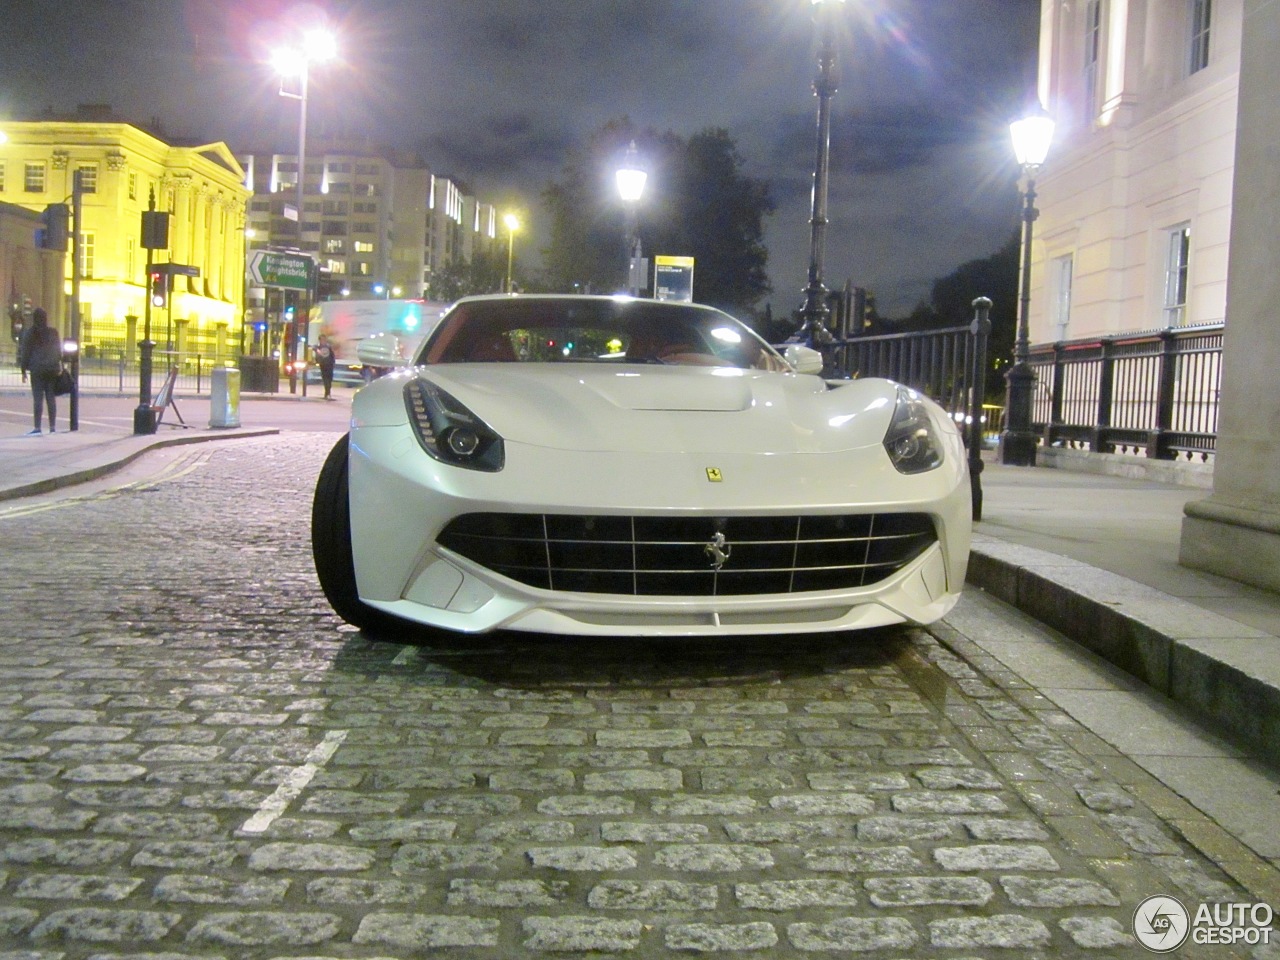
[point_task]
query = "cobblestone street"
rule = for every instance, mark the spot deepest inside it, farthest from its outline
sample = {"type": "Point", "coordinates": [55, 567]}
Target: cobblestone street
{"type": "Point", "coordinates": [198, 760]}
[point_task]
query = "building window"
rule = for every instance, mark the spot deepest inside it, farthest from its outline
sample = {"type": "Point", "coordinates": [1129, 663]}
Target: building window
{"type": "Point", "coordinates": [1063, 268]}
{"type": "Point", "coordinates": [133, 186]}
{"type": "Point", "coordinates": [86, 254]}
{"type": "Point", "coordinates": [362, 246]}
{"type": "Point", "coordinates": [88, 177]}
{"type": "Point", "coordinates": [1, 178]}
{"type": "Point", "coordinates": [335, 246]}
{"type": "Point", "coordinates": [33, 177]}
{"type": "Point", "coordinates": [1092, 56]}
{"type": "Point", "coordinates": [1200, 12]}
{"type": "Point", "coordinates": [1175, 276]}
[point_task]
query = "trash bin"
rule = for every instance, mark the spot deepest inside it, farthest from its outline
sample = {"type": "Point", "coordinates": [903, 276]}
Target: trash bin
{"type": "Point", "coordinates": [224, 397]}
{"type": "Point", "coordinates": [259, 374]}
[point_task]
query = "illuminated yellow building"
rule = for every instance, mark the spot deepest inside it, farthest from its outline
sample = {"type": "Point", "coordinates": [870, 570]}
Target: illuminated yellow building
{"type": "Point", "coordinates": [122, 166]}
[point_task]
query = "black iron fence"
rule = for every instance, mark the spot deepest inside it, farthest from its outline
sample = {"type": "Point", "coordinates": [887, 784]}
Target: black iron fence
{"type": "Point", "coordinates": [1148, 393]}
{"type": "Point", "coordinates": [105, 370]}
{"type": "Point", "coordinates": [948, 365]}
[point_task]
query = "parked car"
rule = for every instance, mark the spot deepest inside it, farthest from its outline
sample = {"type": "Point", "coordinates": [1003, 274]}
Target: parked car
{"type": "Point", "coordinates": [616, 466]}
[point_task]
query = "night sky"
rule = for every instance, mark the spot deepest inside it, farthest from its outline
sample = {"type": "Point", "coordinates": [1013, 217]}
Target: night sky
{"type": "Point", "coordinates": [493, 93]}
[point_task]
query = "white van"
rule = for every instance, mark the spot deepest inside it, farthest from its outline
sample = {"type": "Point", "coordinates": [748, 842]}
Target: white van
{"type": "Point", "coordinates": [370, 337]}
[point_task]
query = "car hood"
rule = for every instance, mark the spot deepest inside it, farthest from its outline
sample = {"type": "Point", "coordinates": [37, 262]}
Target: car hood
{"type": "Point", "coordinates": [668, 409]}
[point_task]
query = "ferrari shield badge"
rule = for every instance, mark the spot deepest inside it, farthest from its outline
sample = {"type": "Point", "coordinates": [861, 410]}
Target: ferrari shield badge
{"type": "Point", "coordinates": [714, 474]}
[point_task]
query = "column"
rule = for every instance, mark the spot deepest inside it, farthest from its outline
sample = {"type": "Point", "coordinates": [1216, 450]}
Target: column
{"type": "Point", "coordinates": [1236, 531]}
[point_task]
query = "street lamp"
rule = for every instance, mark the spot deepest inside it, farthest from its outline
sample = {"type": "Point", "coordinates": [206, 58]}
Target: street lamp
{"type": "Point", "coordinates": [316, 47]}
{"type": "Point", "coordinates": [815, 311]}
{"type": "Point", "coordinates": [631, 180]}
{"type": "Point", "coordinates": [512, 223]}
{"type": "Point", "coordinates": [1031, 138]}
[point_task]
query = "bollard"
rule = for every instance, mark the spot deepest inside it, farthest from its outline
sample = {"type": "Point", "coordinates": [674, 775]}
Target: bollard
{"type": "Point", "coordinates": [224, 397]}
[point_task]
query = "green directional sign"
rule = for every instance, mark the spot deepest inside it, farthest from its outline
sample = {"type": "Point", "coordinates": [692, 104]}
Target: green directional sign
{"type": "Point", "coordinates": [288, 271]}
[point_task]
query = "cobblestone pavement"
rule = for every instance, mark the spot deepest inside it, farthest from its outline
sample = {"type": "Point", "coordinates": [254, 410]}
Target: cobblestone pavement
{"type": "Point", "coordinates": [198, 760]}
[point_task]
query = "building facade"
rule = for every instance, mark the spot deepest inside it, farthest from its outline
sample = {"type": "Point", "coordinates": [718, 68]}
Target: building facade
{"type": "Point", "coordinates": [376, 220]}
{"type": "Point", "coordinates": [1135, 198]}
{"type": "Point", "coordinates": [122, 169]}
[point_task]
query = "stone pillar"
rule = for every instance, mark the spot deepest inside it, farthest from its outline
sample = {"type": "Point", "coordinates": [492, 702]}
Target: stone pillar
{"type": "Point", "coordinates": [1236, 531]}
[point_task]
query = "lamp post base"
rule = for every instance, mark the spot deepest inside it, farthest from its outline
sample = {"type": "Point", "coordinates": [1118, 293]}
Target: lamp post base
{"type": "Point", "coordinates": [1017, 449]}
{"type": "Point", "coordinates": [144, 420]}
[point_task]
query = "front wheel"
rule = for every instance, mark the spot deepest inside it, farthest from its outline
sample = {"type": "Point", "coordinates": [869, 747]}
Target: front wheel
{"type": "Point", "coordinates": [331, 543]}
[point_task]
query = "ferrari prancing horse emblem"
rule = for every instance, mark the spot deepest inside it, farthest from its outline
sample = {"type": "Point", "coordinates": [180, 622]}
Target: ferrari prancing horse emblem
{"type": "Point", "coordinates": [718, 551]}
{"type": "Point", "coordinates": [714, 475]}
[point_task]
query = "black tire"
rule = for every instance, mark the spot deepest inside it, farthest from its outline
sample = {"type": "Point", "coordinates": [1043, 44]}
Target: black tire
{"type": "Point", "coordinates": [331, 545]}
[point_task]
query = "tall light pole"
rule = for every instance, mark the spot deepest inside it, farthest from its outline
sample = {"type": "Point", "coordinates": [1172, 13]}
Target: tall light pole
{"type": "Point", "coordinates": [631, 179]}
{"type": "Point", "coordinates": [512, 223]}
{"type": "Point", "coordinates": [815, 312]}
{"type": "Point", "coordinates": [316, 47]}
{"type": "Point", "coordinates": [1031, 138]}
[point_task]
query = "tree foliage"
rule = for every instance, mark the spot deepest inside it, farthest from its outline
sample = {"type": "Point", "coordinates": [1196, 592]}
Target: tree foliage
{"type": "Point", "coordinates": [697, 202]}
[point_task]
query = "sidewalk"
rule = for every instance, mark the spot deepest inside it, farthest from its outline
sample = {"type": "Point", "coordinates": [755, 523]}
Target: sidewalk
{"type": "Point", "coordinates": [1092, 556]}
{"type": "Point", "coordinates": [1095, 557]}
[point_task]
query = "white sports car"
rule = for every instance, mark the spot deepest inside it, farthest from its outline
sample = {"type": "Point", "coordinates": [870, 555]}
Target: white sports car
{"type": "Point", "coordinates": [615, 466]}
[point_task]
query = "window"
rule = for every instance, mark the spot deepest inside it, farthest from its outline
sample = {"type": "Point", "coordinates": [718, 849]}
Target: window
{"type": "Point", "coordinates": [133, 186]}
{"type": "Point", "coordinates": [1200, 10]}
{"type": "Point", "coordinates": [1092, 55]}
{"type": "Point", "coordinates": [1, 178]}
{"type": "Point", "coordinates": [362, 246]}
{"type": "Point", "coordinates": [88, 177]}
{"type": "Point", "coordinates": [1063, 267]}
{"type": "Point", "coordinates": [1175, 276]}
{"type": "Point", "coordinates": [33, 177]}
{"type": "Point", "coordinates": [86, 254]}
{"type": "Point", "coordinates": [335, 246]}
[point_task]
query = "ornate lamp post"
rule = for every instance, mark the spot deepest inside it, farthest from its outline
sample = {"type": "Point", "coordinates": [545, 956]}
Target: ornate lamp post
{"type": "Point", "coordinates": [631, 180]}
{"type": "Point", "coordinates": [316, 47]}
{"type": "Point", "coordinates": [1031, 138]}
{"type": "Point", "coordinates": [512, 223]}
{"type": "Point", "coordinates": [815, 312]}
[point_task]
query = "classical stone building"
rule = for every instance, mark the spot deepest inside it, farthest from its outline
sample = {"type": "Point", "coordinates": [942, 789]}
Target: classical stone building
{"type": "Point", "coordinates": [1135, 198]}
{"type": "Point", "coordinates": [123, 166]}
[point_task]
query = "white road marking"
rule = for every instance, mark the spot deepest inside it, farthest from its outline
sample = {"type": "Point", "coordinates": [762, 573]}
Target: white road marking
{"type": "Point", "coordinates": [294, 783]}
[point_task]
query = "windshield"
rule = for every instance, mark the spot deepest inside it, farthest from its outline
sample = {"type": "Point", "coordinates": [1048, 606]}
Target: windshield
{"type": "Point", "coordinates": [551, 330]}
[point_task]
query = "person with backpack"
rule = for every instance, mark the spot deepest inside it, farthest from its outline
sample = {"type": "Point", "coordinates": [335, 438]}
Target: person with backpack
{"type": "Point", "coordinates": [40, 356]}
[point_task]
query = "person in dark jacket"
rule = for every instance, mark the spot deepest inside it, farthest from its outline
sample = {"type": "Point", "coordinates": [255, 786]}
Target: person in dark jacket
{"type": "Point", "coordinates": [40, 356]}
{"type": "Point", "coordinates": [325, 360]}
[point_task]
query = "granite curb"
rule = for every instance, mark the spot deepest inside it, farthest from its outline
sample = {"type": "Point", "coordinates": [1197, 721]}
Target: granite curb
{"type": "Point", "coordinates": [1224, 672]}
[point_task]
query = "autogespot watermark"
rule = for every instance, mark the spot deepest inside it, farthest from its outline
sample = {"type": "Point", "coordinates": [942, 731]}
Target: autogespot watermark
{"type": "Point", "coordinates": [1162, 924]}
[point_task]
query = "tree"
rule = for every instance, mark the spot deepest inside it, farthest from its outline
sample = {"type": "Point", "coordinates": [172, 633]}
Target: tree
{"type": "Point", "coordinates": [485, 272]}
{"type": "Point", "coordinates": [697, 203]}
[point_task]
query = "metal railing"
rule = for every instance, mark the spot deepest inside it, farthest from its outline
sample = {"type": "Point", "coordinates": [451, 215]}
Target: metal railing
{"type": "Point", "coordinates": [104, 372]}
{"type": "Point", "coordinates": [948, 365]}
{"type": "Point", "coordinates": [1152, 393]}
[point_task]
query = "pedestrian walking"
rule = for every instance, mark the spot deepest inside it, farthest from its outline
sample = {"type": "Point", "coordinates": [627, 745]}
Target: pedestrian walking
{"type": "Point", "coordinates": [324, 357]}
{"type": "Point", "coordinates": [40, 357]}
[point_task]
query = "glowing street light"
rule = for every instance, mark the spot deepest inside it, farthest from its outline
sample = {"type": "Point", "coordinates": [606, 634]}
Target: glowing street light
{"type": "Point", "coordinates": [512, 223]}
{"type": "Point", "coordinates": [631, 179]}
{"type": "Point", "coordinates": [316, 46]}
{"type": "Point", "coordinates": [1031, 136]}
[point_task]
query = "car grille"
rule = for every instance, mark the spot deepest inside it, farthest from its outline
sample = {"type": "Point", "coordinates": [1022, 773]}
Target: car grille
{"type": "Point", "coordinates": [676, 556]}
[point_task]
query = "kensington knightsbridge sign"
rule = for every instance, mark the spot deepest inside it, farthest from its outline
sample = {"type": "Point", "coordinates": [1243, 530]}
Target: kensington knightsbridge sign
{"type": "Point", "coordinates": [1162, 924]}
{"type": "Point", "coordinates": [286, 271]}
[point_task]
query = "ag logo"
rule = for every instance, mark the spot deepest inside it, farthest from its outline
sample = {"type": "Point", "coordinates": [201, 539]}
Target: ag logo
{"type": "Point", "coordinates": [1161, 924]}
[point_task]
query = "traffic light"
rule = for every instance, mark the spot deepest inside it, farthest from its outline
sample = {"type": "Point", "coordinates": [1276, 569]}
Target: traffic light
{"type": "Point", "coordinates": [52, 234]}
{"type": "Point", "coordinates": [159, 289]}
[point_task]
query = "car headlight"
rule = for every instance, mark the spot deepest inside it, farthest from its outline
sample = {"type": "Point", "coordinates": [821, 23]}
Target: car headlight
{"type": "Point", "coordinates": [448, 431]}
{"type": "Point", "coordinates": [912, 441]}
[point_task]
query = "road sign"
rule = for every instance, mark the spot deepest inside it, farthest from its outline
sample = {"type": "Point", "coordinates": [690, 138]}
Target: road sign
{"type": "Point", "coordinates": [285, 271]}
{"type": "Point", "coordinates": [673, 278]}
{"type": "Point", "coordinates": [176, 269]}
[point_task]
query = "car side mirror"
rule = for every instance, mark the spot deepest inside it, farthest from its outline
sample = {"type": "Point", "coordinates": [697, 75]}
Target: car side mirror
{"type": "Point", "coordinates": [803, 359]}
{"type": "Point", "coordinates": [380, 350]}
